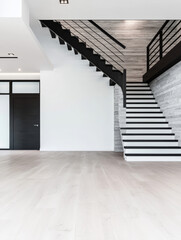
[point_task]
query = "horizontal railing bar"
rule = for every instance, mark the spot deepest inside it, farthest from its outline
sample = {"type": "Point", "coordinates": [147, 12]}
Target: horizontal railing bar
{"type": "Point", "coordinates": [156, 35]}
{"type": "Point", "coordinates": [104, 40]}
{"type": "Point", "coordinates": [97, 46]}
{"type": "Point", "coordinates": [83, 40]}
{"type": "Point", "coordinates": [154, 48]}
{"type": "Point", "coordinates": [90, 42]}
{"type": "Point", "coordinates": [154, 60]}
{"type": "Point", "coordinates": [169, 27]}
{"type": "Point", "coordinates": [82, 36]}
{"type": "Point", "coordinates": [107, 41]}
{"type": "Point", "coordinates": [157, 52]}
{"type": "Point", "coordinates": [171, 30]}
{"type": "Point", "coordinates": [157, 41]}
{"type": "Point", "coordinates": [106, 33]}
{"type": "Point", "coordinates": [172, 43]}
{"type": "Point", "coordinates": [164, 40]}
{"type": "Point", "coordinates": [171, 37]}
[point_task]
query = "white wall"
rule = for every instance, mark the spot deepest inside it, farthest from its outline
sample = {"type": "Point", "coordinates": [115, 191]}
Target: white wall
{"type": "Point", "coordinates": [77, 104]}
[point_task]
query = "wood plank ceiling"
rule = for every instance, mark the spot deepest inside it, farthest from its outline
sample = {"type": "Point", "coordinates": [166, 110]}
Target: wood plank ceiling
{"type": "Point", "coordinates": [135, 35]}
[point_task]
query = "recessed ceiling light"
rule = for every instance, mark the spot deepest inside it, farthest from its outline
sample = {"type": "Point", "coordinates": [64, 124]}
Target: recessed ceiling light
{"type": "Point", "coordinates": [19, 69]}
{"type": "Point", "coordinates": [10, 54]}
{"type": "Point", "coordinates": [64, 1]}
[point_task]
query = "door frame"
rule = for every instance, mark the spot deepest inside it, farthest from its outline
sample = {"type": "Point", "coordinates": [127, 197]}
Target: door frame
{"type": "Point", "coordinates": [11, 115]}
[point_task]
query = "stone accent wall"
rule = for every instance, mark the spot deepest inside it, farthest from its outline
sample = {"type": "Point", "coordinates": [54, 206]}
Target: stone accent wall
{"type": "Point", "coordinates": [119, 118]}
{"type": "Point", "coordinates": [167, 91]}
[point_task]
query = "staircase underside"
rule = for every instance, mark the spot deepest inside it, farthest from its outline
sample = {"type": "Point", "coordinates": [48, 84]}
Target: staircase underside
{"type": "Point", "coordinates": [95, 59]}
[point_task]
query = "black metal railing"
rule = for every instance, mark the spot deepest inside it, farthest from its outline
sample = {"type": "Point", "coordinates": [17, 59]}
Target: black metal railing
{"type": "Point", "coordinates": [166, 38]}
{"type": "Point", "coordinates": [96, 38]}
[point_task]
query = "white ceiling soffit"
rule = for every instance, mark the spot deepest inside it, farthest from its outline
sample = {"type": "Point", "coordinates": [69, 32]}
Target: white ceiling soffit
{"type": "Point", "coordinates": [105, 9]}
{"type": "Point", "coordinates": [18, 38]}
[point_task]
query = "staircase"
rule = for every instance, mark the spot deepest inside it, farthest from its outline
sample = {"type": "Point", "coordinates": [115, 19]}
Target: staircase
{"type": "Point", "coordinates": [147, 135]}
{"type": "Point", "coordinates": [79, 45]}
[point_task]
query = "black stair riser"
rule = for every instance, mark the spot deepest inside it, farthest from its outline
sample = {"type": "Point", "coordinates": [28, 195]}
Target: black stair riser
{"type": "Point", "coordinates": [152, 147]}
{"type": "Point", "coordinates": [153, 155]}
{"type": "Point", "coordinates": [147, 134]}
{"type": "Point", "coordinates": [142, 103]}
{"type": "Point", "coordinates": [136, 86]}
{"type": "Point", "coordinates": [90, 50]}
{"type": "Point", "coordinates": [135, 82]}
{"type": "Point", "coordinates": [61, 41]}
{"type": "Point", "coordinates": [75, 51]}
{"type": "Point", "coordinates": [91, 64]}
{"type": "Point", "coordinates": [145, 117]}
{"type": "Point", "coordinates": [146, 122]}
{"type": "Point", "coordinates": [69, 47]}
{"type": "Point", "coordinates": [53, 35]}
{"type": "Point", "coordinates": [143, 107]}
{"type": "Point", "coordinates": [151, 140]}
{"type": "Point", "coordinates": [148, 94]}
{"type": "Point", "coordinates": [140, 98]}
{"type": "Point", "coordinates": [83, 58]}
{"type": "Point", "coordinates": [111, 83]}
{"type": "Point", "coordinates": [143, 128]}
{"type": "Point", "coordinates": [138, 90]}
{"type": "Point", "coordinates": [145, 112]}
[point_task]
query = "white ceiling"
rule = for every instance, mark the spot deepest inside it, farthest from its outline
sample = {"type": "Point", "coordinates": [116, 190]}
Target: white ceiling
{"type": "Point", "coordinates": [105, 9]}
{"type": "Point", "coordinates": [18, 38]}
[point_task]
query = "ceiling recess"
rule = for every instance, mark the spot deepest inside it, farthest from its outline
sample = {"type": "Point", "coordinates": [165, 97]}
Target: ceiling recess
{"type": "Point", "coordinates": [64, 1]}
{"type": "Point", "coordinates": [7, 57]}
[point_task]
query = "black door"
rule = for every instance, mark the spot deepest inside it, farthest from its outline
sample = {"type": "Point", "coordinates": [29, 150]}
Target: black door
{"type": "Point", "coordinates": [25, 123]}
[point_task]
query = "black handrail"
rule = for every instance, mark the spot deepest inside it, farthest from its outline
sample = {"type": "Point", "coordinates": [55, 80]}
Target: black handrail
{"type": "Point", "coordinates": [93, 42]}
{"type": "Point", "coordinates": [162, 41]}
{"type": "Point", "coordinates": [105, 41]}
{"type": "Point", "coordinates": [106, 33]}
{"type": "Point", "coordinates": [88, 40]}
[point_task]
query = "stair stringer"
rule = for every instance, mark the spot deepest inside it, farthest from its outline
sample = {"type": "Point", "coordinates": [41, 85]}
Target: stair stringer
{"type": "Point", "coordinates": [119, 118]}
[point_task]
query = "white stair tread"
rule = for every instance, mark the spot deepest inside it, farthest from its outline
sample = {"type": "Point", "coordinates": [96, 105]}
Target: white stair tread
{"type": "Point", "coordinates": [146, 120]}
{"type": "Point", "coordinates": [136, 84]}
{"type": "Point", "coordinates": [147, 131]}
{"type": "Point", "coordinates": [147, 105]}
{"type": "Point", "coordinates": [140, 100]}
{"type": "Point", "coordinates": [158, 114]}
{"type": "Point", "coordinates": [143, 110]}
{"type": "Point", "coordinates": [147, 125]}
{"type": "Point", "coordinates": [153, 150]}
{"type": "Point", "coordinates": [147, 137]}
{"type": "Point", "coordinates": [149, 143]}
{"type": "Point", "coordinates": [139, 96]}
{"type": "Point", "coordinates": [138, 88]}
{"type": "Point", "coordinates": [156, 158]}
{"type": "Point", "coordinates": [139, 92]}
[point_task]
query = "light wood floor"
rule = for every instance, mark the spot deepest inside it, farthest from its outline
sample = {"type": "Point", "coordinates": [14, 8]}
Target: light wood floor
{"type": "Point", "coordinates": [87, 196]}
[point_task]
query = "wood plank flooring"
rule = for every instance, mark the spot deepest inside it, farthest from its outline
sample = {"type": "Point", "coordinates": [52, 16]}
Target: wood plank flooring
{"type": "Point", "coordinates": [87, 196]}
